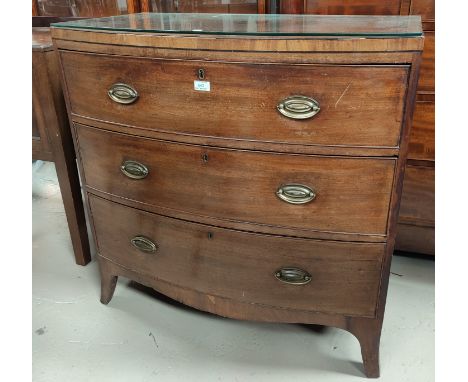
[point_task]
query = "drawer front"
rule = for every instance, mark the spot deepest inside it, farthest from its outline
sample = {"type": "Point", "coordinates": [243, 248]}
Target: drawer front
{"type": "Point", "coordinates": [344, 277]}
{"type": "Point", "coordinates": [354, 7]}
{"type": "Point", "coordinates": [426, 82]}
{"type": "Point", "coordinates": [359, 105]}
{"type": "Point", "coordinates": [422, 141]}
{"type": "Point", "coordinates": [418, 196]}
{"type": "Point", "coordinates": [351, 194]}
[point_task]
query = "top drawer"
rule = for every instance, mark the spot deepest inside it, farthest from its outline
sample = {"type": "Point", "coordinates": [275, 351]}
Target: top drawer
{"type": "Point", "coordinates": [359, 105]}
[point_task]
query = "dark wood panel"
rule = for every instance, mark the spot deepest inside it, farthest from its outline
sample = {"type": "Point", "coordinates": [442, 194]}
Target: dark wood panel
{"type": "Point", "coordinates": [35, 128]}
{"type": "Point", "coordinates": [354, 7]}
{"type": "Point", "coordinates": [41, 106]}
{"type": "Point", "coordinates": [85, 8]}
{"type": "Point", "coordinates": [245, 98]}
{"type": "Point", "coordinates": [424, 8]}
{"type": "Point", "coordinates": [39, 153]}
{"type": "Point", "coordinates": [207, 6]}
{"type": "Point", "coordinates": [428, 26]}
{"type": "Point", "coordinates": [414, 238]}
{"type": "Point", "coordinates": [291, 7]}
{"type": "Point", "coordinates": [352, 193]}
{"type": "Point", "coordinates": [418, 197]}
{"type": "Point", "coordinates": [218, 6]}
{"type": "Point", "coordinates": [427, 72]}
{"type": "Point", "coordinates": [241, 266]}
{"type": "Point", "coordinates": [422, 141]}
{"type": "Point", "coordinates": [247, 6]}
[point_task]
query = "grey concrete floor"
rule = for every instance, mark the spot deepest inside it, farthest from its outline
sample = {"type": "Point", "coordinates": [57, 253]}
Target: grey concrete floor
{"type": "Point", "coordinates": [142, 336]}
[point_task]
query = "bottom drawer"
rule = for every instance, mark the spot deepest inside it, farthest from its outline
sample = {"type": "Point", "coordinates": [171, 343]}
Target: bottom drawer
{"type": "Point", "coordinates": [344, 277]}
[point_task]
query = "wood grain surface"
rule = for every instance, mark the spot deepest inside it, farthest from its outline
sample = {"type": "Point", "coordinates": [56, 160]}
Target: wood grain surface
{"type": "Point", "coordinates": [422, 142]}
{"type": "Point", "coordinates": [427, 75]}
{"type": "Point", "coordinates": [354, 7]}
{"type": "Point", "coordinates": [424, 8]}
{"type": "Point", "coordinates": [415, 238]}
{"type": "Point", "coordinates": [352, 193]}
{"type": "Point", "coordinates": [241, 266]}
{"type": "Point", "coordinates": [243, 99]}
{"type": "Point", "coordinates": [418, 198]}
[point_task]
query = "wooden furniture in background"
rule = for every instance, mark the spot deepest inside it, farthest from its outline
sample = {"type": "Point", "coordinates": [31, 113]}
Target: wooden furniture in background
{"type": "Point", "coordinates": [273, 204]}
{"type": "Point", "coordinates": [84, 8]}
{"type": "Point", "coordinates": [417, 220]}
{"type": "Point", "coordinates": [102, 8]}
{"type": "Point", "coordinates": [51, 136]}
{"type": "Point", "coordinates": [204, 6]}
{"type": "Point", "coordinates": [417, 217]}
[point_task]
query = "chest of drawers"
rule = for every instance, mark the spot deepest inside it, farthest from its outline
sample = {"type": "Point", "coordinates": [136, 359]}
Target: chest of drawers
{"type": "Point", "coordinates": [249, 166]}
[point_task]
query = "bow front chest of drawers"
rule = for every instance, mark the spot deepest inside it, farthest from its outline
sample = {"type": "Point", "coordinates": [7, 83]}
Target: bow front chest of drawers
{"type": "Point", "coordinates": [246, 165]}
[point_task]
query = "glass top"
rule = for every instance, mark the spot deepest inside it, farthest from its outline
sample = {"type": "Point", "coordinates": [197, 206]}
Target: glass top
{"type": "Point", "coordinates": [254, 24]}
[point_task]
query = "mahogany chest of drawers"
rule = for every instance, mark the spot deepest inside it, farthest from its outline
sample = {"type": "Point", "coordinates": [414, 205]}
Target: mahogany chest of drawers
{"type": "Point", "coordinates": [249, 166]}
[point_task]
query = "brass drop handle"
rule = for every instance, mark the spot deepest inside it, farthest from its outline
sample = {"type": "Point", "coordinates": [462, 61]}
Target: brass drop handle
{"type": "Point", "coordinates": [296, 193]}
{"type": "Point", "coordinates": [122, 93]}
{"type": "Point", "coordinates": [134, 170]}
{"type": "Point", "coordinates": [298, 107]}
{"type": "Point", "coordinates": [294, 276]}
{"type": "Point", "coordinates": [144, 244]}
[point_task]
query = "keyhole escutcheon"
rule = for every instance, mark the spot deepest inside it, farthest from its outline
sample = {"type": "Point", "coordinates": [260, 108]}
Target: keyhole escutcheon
{"type": "Point", "coordinates": [201, 74]}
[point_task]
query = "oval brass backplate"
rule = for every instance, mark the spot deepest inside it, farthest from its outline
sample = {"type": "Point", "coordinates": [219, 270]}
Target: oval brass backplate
{"type": "Point", "coordinates": [296, 193]}
{"type": "Point", "coordinates": [144, 244]}
{"type": "Point", "coordinates": [294, 276]}
{"type": "Point", "coordinates": [122, 93]}
{"type": "Point", "coordinates": [298, 107]}
{"type": "Point", "coordinates": [134, 170]}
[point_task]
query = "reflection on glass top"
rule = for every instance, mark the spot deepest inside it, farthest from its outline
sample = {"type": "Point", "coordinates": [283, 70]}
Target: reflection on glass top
{"type": "Point", "coordinates": [256, 25]}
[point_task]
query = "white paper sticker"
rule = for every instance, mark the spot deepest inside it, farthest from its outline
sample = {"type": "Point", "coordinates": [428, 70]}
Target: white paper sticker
{"type": "Point", "coordinates": [203, 86]}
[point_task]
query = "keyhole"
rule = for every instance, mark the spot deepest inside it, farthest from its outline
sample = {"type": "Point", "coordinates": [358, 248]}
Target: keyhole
{"type": "Point", "coordinates": [205, 157]}
{"type": "Point", "coordinates": [201, 74]}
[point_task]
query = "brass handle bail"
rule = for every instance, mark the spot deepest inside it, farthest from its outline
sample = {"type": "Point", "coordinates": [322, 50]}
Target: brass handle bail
{"type": "Point", "coordinates": [134, 170]}
{"type": "Point", "coordinates": [298, 107]}
{"type": "Point", "coordinates": [144, 244]}
{"type": "Point", "coordinates": [296, 193]}
{"type": "Point", "coordinates": [294, 276]}
{"type": "Point", "coordinates": [122, 93]}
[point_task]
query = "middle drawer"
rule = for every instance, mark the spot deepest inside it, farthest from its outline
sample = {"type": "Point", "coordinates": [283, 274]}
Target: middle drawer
{"type": "Point", "coordinates": [344, 195]}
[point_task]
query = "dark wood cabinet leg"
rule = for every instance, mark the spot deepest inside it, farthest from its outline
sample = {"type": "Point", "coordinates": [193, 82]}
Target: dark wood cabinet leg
{"type": "Point", "coordinates": [368, 331]}
{"type": "Point", "coordinates": [370, 355]}
{"type": "Point", "coordinates": [108, 280]}
{"type": "Point", "coordinates": [70, 189]}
